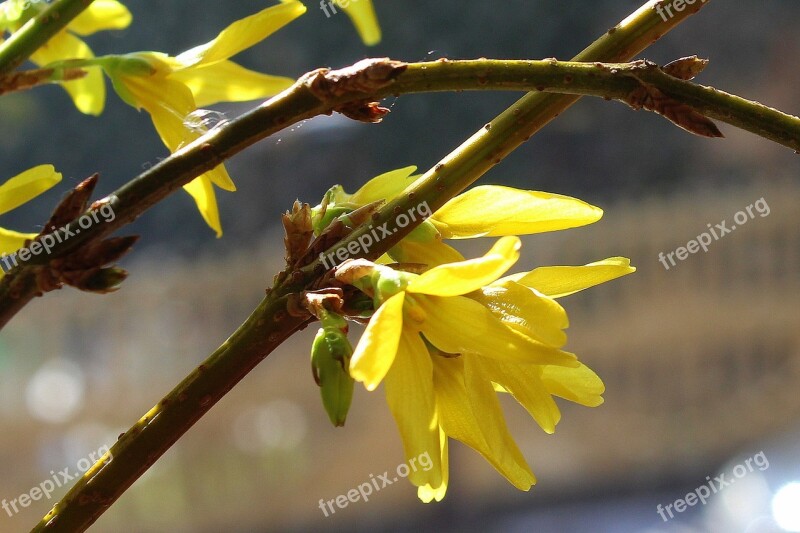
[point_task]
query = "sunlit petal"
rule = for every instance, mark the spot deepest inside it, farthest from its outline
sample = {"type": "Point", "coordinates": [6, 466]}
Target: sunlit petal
{"type": "Point", "coordinates": [226, 81]}
{"type": "Point", "coordinates": [375, 352]}
{"type": "Point", "coordinates": [242, 34]}
{"type": "Point", "coordinates": [427, 493]}
{"type": "Point", "coordinates": [469, 412]}
{"type": "Point", "coordinates": [580, 385]}
{"type": "Point", "coordinates": [88, 93]}
{"type": "Point", "coordinates": [11, 241]}
{"type": "Point", "coordinates": [432, 253]}
{"type": "Point", "coordinates": [101, 15]}
{"type": "Point", "coordinates": [558, 281]}
{"type": "Point", "coordinates": [383, 187]}
{"type": "Point", "coordinates": [491, 210]}
{"type": "Point", "coordinates": [526, 311]}
{"type": "Point", "coordinates": [524, 383]}
{"type": "Point", "coordinates": [27, 185]}
{"type": "Point", "coordinates": [454, 279]}
{"type": "Point", "coordinates": [409, 393]}
{"type": "Point", "coordinates": [463, 325]}
{"type": "Point", "coordinates": [362, 13]}
{"type": "Point", "coordinates": [202, 191]}
{"type": "Point", "coordinates": [168, 103]}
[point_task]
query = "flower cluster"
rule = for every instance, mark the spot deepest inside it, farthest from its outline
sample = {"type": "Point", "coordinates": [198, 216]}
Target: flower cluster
{"type": "Point", "coordinates": [449, 334]}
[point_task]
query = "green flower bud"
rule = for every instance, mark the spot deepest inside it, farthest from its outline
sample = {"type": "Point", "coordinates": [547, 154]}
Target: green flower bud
{"type": "Point", "coordinates": [330, 359]}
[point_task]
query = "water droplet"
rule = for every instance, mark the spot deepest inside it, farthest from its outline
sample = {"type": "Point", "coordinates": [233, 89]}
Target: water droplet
{"type": "Point", "coordinates": [204, 120]}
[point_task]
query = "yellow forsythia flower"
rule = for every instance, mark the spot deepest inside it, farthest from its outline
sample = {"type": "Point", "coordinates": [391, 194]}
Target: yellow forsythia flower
{"type": "Point", "coordinates": [89, 92]}
{"type": "Point", "coordinates": [444, 341]}
{"type": "Point", "coordinates": [170, 88]}
{"type": "Point", "coordinates": [17, 191]}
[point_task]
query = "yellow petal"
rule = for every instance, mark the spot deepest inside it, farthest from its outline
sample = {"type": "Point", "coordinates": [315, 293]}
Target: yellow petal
{"type": "Point", "coordinates": [491, 210]}
{"type": "Point", "coordinates": [460, 325]}
{"type": "Point", "coordinates": [469, 412]}
{"type": "Point", "coordinates": [580, 385]}
{"type": "Point", "coordinates": [242, 34]}
{"type": "Point", "coordinates": [228, 82]}
{"type": "Point", "coordinates": [454, 279]}
{"type": "Point", "coordinates": [27, 185]}
{"type": "Point", "coordinates": [88, 93]}
{"type": "Point", "coordinates": [362, 13]}
{"type": "Point", "coordinates": [409, 393]}
{"type": "Point", "coordinates": [383, 187]}
{"type": "Point", "coordinates": [526, 311]}
{"type": "Point", "coordinates": [426, 492]}
{"type": "Point", "coordinates": [101, 15]}
{"type": "Point", "coordinates": [202, 191]}
{"type": "Point", "coordinates": [377, 347]}
{"type": "Point", "coordinates": [558, 281]}
{"type": "Point", "coordinates": [11, 241]}
{"type": "Point", "coordinates": [168, 102]}
{"type": "Point", "coordinates": [524, 383]}
{"type": "Point", "coordinates": [219, 177]}
{"type": "Point", "coordinates": [432, 253]}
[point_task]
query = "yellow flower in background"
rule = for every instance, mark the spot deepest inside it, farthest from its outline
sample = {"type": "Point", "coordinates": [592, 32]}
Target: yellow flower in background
{"type": "Point", "coordinates": [88, 93]}
{"type": "Point", "coordinates": [171, 88]}
{"type": "Point", "coordinates": [361, 13]}
{"type": "Point", "coordinates": [17, 191]}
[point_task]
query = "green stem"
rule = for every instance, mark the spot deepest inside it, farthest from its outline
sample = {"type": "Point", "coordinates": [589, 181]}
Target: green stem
{"type": "Point", "coordinates": [270, 324]}
{"type": "Point", "coordinates": [37, 31]}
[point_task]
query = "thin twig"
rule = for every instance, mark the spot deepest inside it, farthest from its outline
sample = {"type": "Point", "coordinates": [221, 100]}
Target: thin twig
{"type": "Point", "coordinates": [28, 79]}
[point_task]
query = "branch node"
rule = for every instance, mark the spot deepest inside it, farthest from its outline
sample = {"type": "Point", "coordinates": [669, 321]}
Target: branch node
{"type": "Point", "coordinates": [366, 76]}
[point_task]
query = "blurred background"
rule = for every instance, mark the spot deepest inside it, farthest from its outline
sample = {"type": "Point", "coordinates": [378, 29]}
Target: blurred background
{"type": "Point", "coordinates": [701, 361]}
